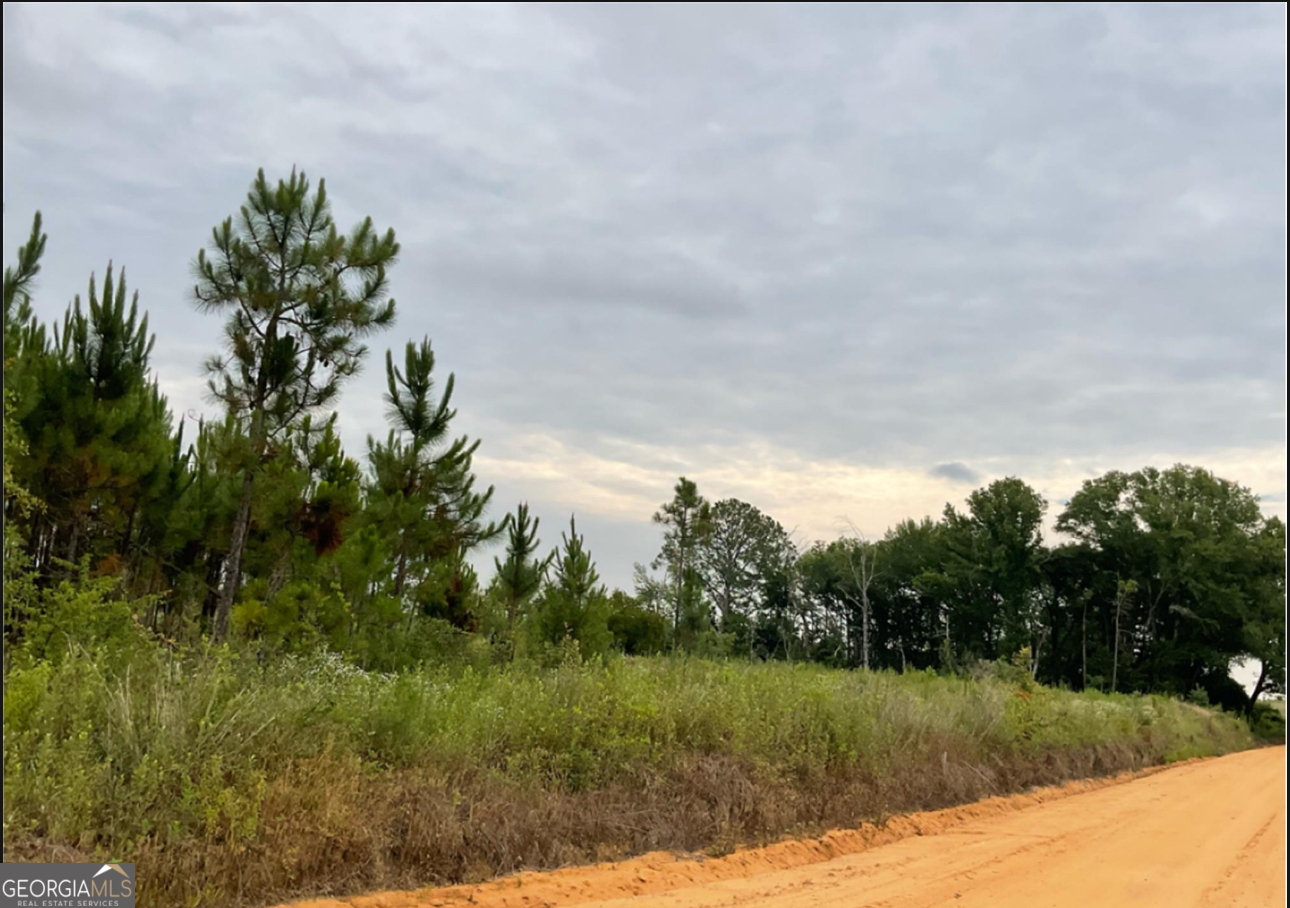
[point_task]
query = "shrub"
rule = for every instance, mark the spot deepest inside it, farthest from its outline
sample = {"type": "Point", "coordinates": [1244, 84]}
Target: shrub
{"type": "Point", "coordinates": [76, 613]}
{"type": "Point", "coordinates": [1268, 722]}
{"type": "Point", "coordinates": [638, 631]}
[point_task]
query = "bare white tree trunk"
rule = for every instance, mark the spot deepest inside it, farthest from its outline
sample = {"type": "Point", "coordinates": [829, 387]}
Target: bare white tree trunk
{"type": "Point", "coordinates": [233, 564]}
{"type": "Point", "coordinates": [1039, 648]}
{"type": "Point", "coordinates": [863, 561]}
{"type": "Point", "coordinates": [1124, 589]}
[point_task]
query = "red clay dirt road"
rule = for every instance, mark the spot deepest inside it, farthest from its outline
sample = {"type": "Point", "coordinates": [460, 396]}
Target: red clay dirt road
{"type": "Point", "coordinates": [1205, 834]}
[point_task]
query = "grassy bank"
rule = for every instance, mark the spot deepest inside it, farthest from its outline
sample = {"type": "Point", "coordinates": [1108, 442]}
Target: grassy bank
{"type": "Point", "coordinates": [231, 784]}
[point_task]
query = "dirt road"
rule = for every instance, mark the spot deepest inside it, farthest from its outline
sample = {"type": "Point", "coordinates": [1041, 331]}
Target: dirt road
{"type": "Point", "coordinates": [1206, 834]}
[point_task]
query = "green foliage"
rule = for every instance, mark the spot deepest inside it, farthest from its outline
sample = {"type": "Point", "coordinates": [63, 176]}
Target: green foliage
{"type": "Point", "coordinates": [21, 332]}
{"type": "Point", "coordinates": [739, 548]}
{"type": "Point", "coordinates": [299, 299]}
{"type": "Point", "coordinates": [79, 613]}
{"type": "Point", "coordinates": [1264, 616]}
{"type": "Point", "coordinates": [520, 576]}
{"type": "Point", "coordinates": [840, 576]}
{"type": "Point", "coordinates": [1206, 588]}
{"type": "Point", "coordinates": [264, 503]}
{"type": "Point", "coordinates": [1268, 721]}
{"type": "Point", "coordinates": [573, 606]}
{"type": "Point", "coordinates": [990, 568]}
{"type": "Point", "coordinates": [686, 522]}
{"type": "Point", "coordinates": [422, 494]}
{"type": "Point", "coordinates": [636, 631]}
{"type": "Point", "coordinates": [301, 617]}
{"type": "Point", "coordinates": [20, 591]}
{"type": "Point", "coordinates": [98, 431]}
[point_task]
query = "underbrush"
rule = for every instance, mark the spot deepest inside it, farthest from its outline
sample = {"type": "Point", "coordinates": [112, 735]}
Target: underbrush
{"type": "Point", "coordinates": [231, 783]}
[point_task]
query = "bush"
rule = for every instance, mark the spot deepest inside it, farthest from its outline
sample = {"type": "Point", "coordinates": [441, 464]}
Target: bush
{"type": "Point", "coordinates": [1268, 722]}
{"type": "Point", "coordinates": [77, 613]}
{"type": "Point", "coordinates": [638, 631]}
{"type": "Point", "coordinates": [300, 617]}
{"type": "Point", "coordinates": [1008, 671]}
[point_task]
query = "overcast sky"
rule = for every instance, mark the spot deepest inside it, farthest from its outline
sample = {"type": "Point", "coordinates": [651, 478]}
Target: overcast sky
{"type": "Point", "coordinates": [841, 262]}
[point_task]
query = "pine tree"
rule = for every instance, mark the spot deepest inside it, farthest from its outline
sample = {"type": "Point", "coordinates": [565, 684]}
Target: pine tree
{"type": "Point", "coordinates": [310, 492]}
{"type": "Point", "coordinates": [520, 576]}
{"type": "Point", "coordinates": [18, 504]}
{"type": "Point", "coordinates": [299, 298]}
{"type": "Point", "coordinates": [198, 522]}
{"type": "Point", "coordinates": [574, 605]}
{"type": "Point", "coordinates": [157, 518]}
{"type": "Point", "coordinates": [19, 281]}
{"type": "Point", "coordinates": [422, 493]}
{"type": "Point", "coordinates": [99, 429]}
{"type": "Point", "coordinates": [686, 518]}
{"type": "Point", "coordinates": [574, 573]}
{"type": "Point", "coordinates": [22, 337]}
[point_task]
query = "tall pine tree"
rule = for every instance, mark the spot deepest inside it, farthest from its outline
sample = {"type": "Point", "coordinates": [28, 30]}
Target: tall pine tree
{"type": "Point", "coordinates": [422, 494]}
{"type": "Point", "coordinates": [299, 298]}
{"type": "Point", "coordinates": [687, 521]}
{"type": "Point", "coordinates": [99, 430]}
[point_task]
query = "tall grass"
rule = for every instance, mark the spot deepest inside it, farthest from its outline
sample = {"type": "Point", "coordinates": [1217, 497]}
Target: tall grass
{"type": "Point", "coordinates": [230, 783]}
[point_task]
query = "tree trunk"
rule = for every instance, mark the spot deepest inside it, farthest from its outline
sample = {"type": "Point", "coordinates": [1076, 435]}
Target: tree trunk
{"type": "Point", "coordinates": [680, 583]}
{"type": "Point", "coordinates": [1258, 688]}
{"type": "Point", "coordinates": [48, 538]}
{"type": "Point", "coordinates": [1040, 639]}
{"type": "Point", "coordinates": [725, 605]}
{"type": "Point", "coordinates": [1083, 646]}
{"type": "Point", "coordinates": [864, 631]}
{"type": "Point", "coordinates": [233, 563]}
{"type": "Point", "coordinates": [73, 544]}
{"type": "Point", "coordinates": [949, 644]}
{"type": "Point", "coordinates": [401, 575]}
{"type": "Point", "coordinates": [129, 554]}
{"type": "Point", "coordinates": [1115, 652]}
{"type": "Point", "coordinates": [281, 570]}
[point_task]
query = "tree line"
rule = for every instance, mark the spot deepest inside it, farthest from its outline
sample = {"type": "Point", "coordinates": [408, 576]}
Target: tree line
{"type": "Point", "coordinates": [1160, 580]}
{"type": "Point", "coordinates": [259, 528]}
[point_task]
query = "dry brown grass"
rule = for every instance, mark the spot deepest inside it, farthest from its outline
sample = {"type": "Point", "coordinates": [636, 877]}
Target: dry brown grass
{"type": "Point", "coordinates": [330, 828]}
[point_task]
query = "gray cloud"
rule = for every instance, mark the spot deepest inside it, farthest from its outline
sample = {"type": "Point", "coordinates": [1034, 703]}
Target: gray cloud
{"type": "Point", "coordinates": [955, 472]}
{"type": "Point", "coordinates": [862, 234]}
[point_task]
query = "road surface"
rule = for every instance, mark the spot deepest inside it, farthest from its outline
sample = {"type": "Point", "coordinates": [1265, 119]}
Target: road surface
{"type": "Point", "coordinates": [1205, 834]}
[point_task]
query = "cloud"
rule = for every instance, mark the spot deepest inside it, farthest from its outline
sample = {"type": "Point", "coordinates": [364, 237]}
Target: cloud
{"type": "Point", "coordinates": [955, 472]}
{"type": "Point", "coordinates": [857, 237]}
